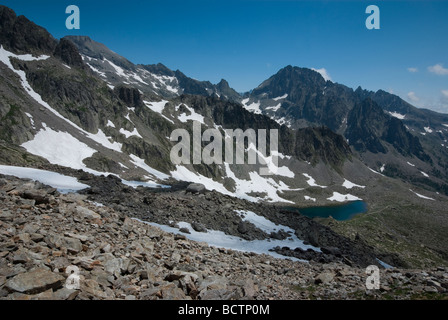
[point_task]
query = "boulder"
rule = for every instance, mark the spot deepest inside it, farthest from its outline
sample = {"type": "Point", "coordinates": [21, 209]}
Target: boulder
{"type": "Point", "coordinates": [36, 281]}
{"type": "Point", "coordinates": [324, 278]}
{"type": "Point", "coordinates": [86, 213]}
{"type": "Point", "coordinates": [196, 188]}
{"type": "Point", "coordinates": [198, 227]}
{"type": "Point", "coordinates": [242, 227]}
{"type": "Point", "coordinates": [72, 245]}
{"type": "Point", "coordinates": [39, 196]}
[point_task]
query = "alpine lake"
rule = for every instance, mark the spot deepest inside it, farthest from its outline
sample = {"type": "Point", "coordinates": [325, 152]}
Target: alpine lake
{"type": "Point", "coordinates": [340, 212]}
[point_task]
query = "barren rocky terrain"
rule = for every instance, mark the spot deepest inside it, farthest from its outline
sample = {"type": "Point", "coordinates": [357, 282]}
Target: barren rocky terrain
{"type": "Point", "coordinates": [45, 234]}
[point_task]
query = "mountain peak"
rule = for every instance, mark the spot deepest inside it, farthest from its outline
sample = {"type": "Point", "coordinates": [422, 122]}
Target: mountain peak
{"type": "Point", "coordinates": [68, 53]}
{"type": "Point", "coordinates": [97, 50]}
{"type": "Point", "coordinates": [20, 35]}
{"type": "Point", "coordinates": [292, 81]}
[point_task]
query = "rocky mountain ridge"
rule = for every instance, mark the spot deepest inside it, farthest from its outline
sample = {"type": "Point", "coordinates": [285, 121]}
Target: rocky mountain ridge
{"type": "Point", "coordinates": [300, 97]}
{"type": "Point", "coordinates": [396, 133]}
{"type": "Point", "coordinates": [150, 79]}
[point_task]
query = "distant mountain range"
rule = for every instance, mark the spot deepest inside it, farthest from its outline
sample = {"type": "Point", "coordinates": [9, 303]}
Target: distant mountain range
{"type": "Point", "coordinates": [383, 129]}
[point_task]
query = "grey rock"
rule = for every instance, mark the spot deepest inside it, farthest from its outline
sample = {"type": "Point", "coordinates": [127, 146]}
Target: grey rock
{"type": "Point", "coordinates": [6, 216]}
{"type": "Point", "coordinates": [215, 294]}
{"type": "Point", "coordinates": [184, 230]}
{"type": "Point", "coordinates": [114, 266]}
{"type": "Point", "coordinates": [198, 227]}
{"type": "Point", "coordinates": [172, 292]}
{"type": "Point", "coordinates": [180, 236]}
{"type": "Point", "coordinates": [324, 278]}
{"type": "Point", "coordinates": [65, 294]}
{"type": "Point", "coordinates": [430, 289]}
{"type": "Point", "coordinates": [250, 289]}
{"type": "Point", "coordinates": [56, 241]}
{"type": "Point", "coordinates": [196, 188]}
{"type": "Point", "coordinates": [39, 196]}
{"type": "Point", "coordinates": [86, 213]}
{"type": "Point", "coordinates": [242, 227]}
{"type": "Point", "coordinates": [35, 281]}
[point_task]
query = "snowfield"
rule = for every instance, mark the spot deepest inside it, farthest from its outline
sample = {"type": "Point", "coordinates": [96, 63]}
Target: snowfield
{"type": "Point", "coordinates": [255, 184]}
{"type": "Point", "coordinates": [63, 184]}
{"type": "Point", "coordinates": [59, 148]}
{"type": "Point", "coordinates": [221, 240]}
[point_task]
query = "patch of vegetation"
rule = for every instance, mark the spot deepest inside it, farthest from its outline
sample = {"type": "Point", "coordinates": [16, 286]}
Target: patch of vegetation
{"type": "Point", "coordinates": [308, 290]}
{"type": "Point", "coordinates": [408, 231]}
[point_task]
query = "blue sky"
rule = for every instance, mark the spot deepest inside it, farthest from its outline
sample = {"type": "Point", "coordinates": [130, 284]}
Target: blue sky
{"type": "Point", "coordinates": [247, 41]}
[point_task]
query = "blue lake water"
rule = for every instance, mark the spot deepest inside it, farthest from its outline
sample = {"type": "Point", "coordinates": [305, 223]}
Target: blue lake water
{"type": "Point", "coordinates": [339, 212]}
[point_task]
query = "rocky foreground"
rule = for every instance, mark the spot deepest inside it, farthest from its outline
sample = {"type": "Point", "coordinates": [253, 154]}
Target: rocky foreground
{"type": "Point", "coordinates": [45, 235]}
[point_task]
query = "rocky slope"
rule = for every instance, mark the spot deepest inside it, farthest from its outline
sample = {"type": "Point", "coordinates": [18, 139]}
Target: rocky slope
{"type": "Point", "coordinates": [45, 234]}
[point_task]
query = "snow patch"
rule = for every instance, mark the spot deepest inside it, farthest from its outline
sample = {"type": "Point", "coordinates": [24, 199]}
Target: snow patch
{"type": "Point", "coordinates": [31, 119]}
{"type": "Point", "coordinates": [141, 164]}
{"type": "Point", "coordinates": [397, 115]}
{"type": "Point", "coordinates": [129, 134]}
{"type": "Point", "coordinates": [253, 107]}
{"type": "Point", "coordinates": [343, 197]}
{"type": "Point", "coordinates": [158, 107]}
{"type": "Point", "coordinates": [310, 199]}
{"type": "Point", "coordinates": [148, 184]}
{"type": "Point", "coordinates": [281, 98]}
{"type": "Point", "coordinates": [118, 70]}
{"type": "Point", "coordinates": [268, 161]}
{"type": "Point", "coordinates": [311, 182]}
{"type": "Point", "coordinates": [110, 124]}
{"type": "Point", "coordinates": [421, 196]}
{"type": "Point", "coordinates": [274, 108]}
{"type": "Point", "coordinates": [105, 141]}
{"type": "Point", "coordinates": [194, 116]}
{"type": "Point", "coordinates": [349, 185]}
{"type": "Point", "coordinates": [63, 183]}
{"type": "Point", "coordinates": [5, 58]}
{"type": "Point", "coordinates": [282, 121]}
{"type": "Point", "coordinates": [101, 73]}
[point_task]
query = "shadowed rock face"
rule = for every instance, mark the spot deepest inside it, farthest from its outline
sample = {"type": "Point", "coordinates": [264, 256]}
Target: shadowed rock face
{"type": "Point", "coordinates": [68, 53]}
{"type": "Point", "coordinates": [130, 96]}
{"type": "Point", "coordinates": [22, 36]}
{"type": "Point", "coordinates": [368, 125]}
